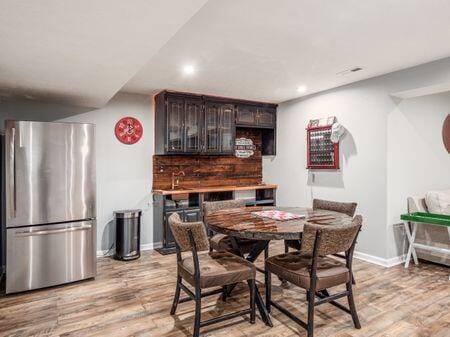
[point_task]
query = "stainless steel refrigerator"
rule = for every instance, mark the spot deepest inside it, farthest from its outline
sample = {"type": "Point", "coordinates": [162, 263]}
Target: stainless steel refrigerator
{"type": "Point", "coordinates": [50, 206]}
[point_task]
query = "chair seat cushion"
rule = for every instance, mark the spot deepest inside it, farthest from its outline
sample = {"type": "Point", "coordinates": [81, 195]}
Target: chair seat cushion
{"type": "Point", "coordinates": [217, 269]}
{"type": "Point", "coordinates": [294, 267]}
{"type": "Point", "coordinates": [222, 243]}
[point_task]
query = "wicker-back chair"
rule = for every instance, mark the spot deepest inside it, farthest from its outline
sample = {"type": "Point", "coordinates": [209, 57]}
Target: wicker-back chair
{"type": "Point", "coordinates": [348, 208]}
{"type": "Point", "coordinates": [312, 269]}
{"type": "Point", "coordinates": [206, 270]}
{"type": "Point", "coordinates": [222, 242]}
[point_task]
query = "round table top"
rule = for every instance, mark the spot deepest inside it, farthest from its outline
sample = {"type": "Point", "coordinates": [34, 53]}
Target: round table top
{"type": "Point", "coordinates": [243, 223]}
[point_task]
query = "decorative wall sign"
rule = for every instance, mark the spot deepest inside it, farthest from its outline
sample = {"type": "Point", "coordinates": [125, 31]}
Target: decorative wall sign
{"type": "Point", "coordinates": [446, 133]}
{"type": "Point", "coordinates": [128, 130]}
{"type": "Point", "coordinates": [244, 148]}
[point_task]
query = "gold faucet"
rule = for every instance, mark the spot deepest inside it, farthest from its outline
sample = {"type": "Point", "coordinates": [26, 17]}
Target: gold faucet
{"type": "Point", "coordinates": [176, 181]}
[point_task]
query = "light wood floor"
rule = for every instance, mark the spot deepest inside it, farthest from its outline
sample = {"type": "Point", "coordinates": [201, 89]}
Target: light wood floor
{"type": "Point", "coordinates": [133, 299]}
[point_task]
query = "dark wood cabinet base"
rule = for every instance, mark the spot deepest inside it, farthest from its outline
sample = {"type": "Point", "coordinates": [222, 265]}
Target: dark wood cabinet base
{"type": "Point", "coordinates": [166, 250]}
{"type": "Point", "coordinates": [189, 207]}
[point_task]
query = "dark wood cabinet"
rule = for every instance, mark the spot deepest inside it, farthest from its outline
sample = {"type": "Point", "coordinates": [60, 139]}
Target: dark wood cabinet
{"type": "Point", "coordinates": [227, 131]}
{"type": "Point", "coordinates": [198, 124]}
{"type": "Point", "coordinates": [211, 140]}
{"type": "Point", "coordinates": [175, 123]}
{"type": "Point", "coordinates": [193, 125]}
{"type": "Point", "coordinates": [188, 215]}
{"type": "Point", "coordinates": [253, 116]}
{"type": "Point", "coordinates": [246, 115]}
{"type": "Point", "coordinates": [192, 215]}
{"type": "Point", "coordinates": [168, 239]}
{"type": "Point", "coordinates": [163, 207]}
{"type": "Point", "coordinates": [266, 117]}
{"type": "Point", "coordinates": [219, 128]}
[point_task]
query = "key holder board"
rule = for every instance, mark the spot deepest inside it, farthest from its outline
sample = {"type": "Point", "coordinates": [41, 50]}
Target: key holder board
{"type": "Point", "coordinates": [322, 153]}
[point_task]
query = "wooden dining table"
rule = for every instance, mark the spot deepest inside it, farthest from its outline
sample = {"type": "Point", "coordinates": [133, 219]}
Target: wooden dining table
{"type": "Point", "coordinates": [245, 224]}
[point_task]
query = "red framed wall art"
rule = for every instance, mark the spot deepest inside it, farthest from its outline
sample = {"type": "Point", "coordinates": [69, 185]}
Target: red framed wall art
{"type": "Point", "coordinates": [322, 153]}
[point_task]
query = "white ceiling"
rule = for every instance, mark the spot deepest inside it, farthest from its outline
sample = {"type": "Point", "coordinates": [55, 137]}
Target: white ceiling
{"type": "Point", "coordinates": [81, 52]}
{"type": "Point", "coordinates": [265, 49]}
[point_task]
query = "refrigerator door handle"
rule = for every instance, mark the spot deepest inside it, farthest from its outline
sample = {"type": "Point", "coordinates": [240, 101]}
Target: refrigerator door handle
{"type": "Point", "coordinates": [54, 231]}
{"type": "Point", "coordinates": [12, 182]}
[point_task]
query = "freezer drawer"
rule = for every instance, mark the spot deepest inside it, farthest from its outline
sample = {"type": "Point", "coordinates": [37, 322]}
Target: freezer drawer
{"type": "Point", "coordinates": [42, 256]}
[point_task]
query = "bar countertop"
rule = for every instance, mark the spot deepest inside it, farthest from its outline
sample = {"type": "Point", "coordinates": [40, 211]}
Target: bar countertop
{"type": "Point", "coordinates": [200, 189]}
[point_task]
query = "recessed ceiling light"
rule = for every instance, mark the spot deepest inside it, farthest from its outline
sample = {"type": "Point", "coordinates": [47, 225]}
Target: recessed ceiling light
{"type": "Point", "coordinates": [188, 69]}
{"type": "Point", "coordinates": [301, 89]}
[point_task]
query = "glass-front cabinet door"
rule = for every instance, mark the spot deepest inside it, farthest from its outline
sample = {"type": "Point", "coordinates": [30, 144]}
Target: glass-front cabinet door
{"type": "Point", "coordinates": [192, 125]}
{"type": "Point", "coordinates": [266, 117]}
{"type": "Point", "coordinates": [227, 135]}
{"type": "Point", "coordinates": [211, 140]}
{"type": "Point", "coordinates": [175, 124]}
{"type": "Point", "coordinates": [246, 115]}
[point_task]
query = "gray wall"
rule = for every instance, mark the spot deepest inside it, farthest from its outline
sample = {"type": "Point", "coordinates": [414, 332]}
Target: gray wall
{"type": "Point", "coordinates": [386, 139]}
{"type": "Point", "coordinates": [124, 172]}
{"type": "Point", "coordinates": [363, 174]}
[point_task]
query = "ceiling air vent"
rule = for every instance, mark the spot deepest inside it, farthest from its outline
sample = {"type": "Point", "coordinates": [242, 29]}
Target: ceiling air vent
{"type": "Point", "coordinates": [348, 71]}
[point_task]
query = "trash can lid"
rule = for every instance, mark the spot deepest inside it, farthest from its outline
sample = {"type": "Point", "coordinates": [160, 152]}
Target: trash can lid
{"type": "Point", "coordinates": [128, 213]}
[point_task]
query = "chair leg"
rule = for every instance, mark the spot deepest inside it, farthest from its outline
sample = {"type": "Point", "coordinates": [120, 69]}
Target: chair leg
{"type": "Point", "coordinates": [353, 276]}
{"type": "Point", "coordinates": [268, 281]}
{"type": "Point", "coordinates": [198, 304]}
{"type": "Point", "coordinates": [311, 299]}
{"type": "Point", "coordinates": [351, 304]}
{"type": "Point", "coordinates": [284, 283]}
{"type": "Point", "coordinates": [252, 301]}
{"type": "Point", "coordinates": [176, 298]}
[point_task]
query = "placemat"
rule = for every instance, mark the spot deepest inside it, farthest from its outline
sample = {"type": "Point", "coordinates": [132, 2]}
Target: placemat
{"type": "Point", "coordinates": [278, 215]}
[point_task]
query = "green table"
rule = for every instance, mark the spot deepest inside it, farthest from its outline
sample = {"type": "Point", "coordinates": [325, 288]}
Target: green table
{"type": "Point", "coordinates": [425, 218]}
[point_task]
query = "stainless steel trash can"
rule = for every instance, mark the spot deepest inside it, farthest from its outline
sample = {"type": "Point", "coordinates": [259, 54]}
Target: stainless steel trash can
{"type": "Point", "coordinates": [128, 234]}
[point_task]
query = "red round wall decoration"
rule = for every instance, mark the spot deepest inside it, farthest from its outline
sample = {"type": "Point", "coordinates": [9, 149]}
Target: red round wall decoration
{"type": "Point", "coordinates": [128, 130]}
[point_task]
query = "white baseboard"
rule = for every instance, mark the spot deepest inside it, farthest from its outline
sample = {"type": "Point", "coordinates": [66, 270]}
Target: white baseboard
{"type": "Point", "coordinates": [380, 261]}
{"type": "Point", "coordinates": [394, 261]}
{"type": "Point", "coordinates": [144, 246]}
{"type": "Point", "coordinates": [151, 246]}
{"type": "Point", "coordinates": [358, 255]}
